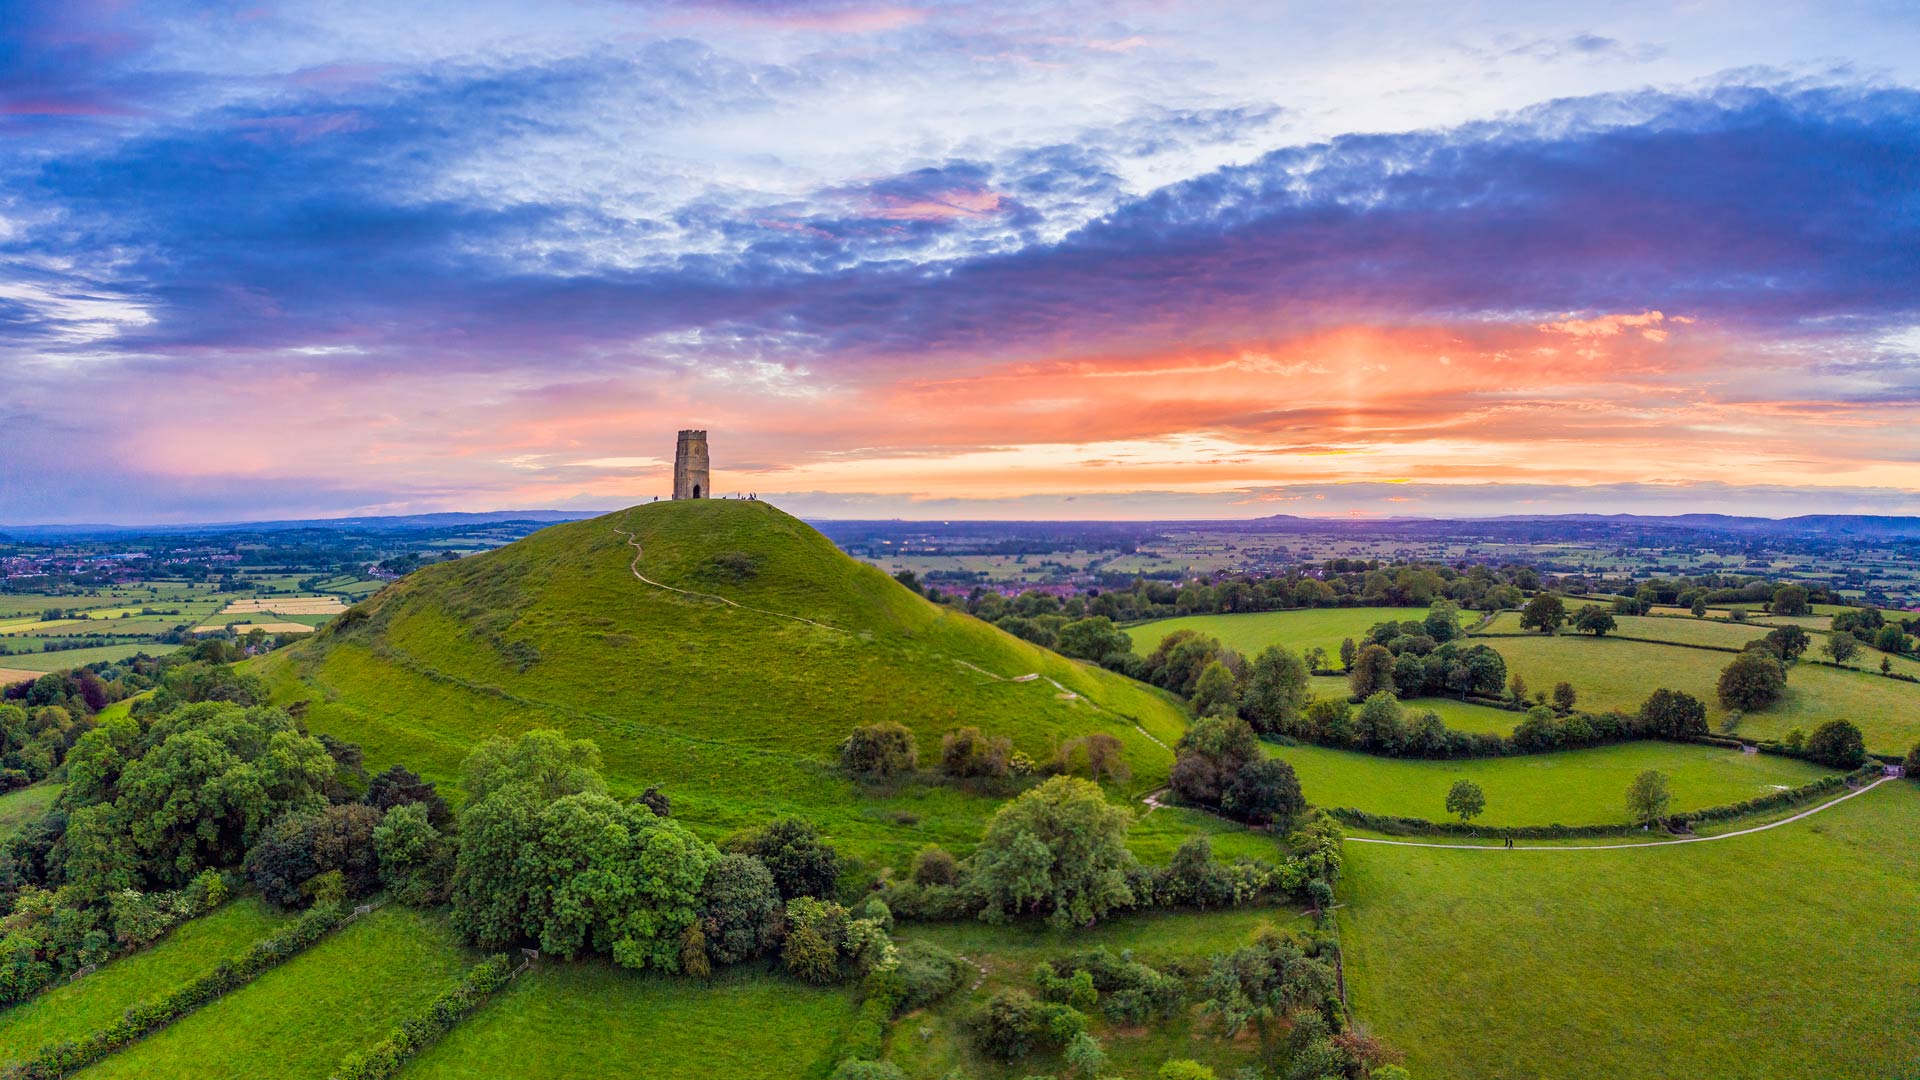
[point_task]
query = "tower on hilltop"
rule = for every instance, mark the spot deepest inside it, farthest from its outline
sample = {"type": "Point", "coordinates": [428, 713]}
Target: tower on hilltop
{"type": "Point", "coordinates": [690, 467]}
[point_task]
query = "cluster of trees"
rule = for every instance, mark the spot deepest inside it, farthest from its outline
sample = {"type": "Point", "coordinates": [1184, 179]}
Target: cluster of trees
{"type": "Point", "coordinates": [1218, 764]}
{"type": "Point", "coordinates": [1282, 987]}
{"type": "Point", "coordinates": [1058, 852]}
{"type": "Point", "coordinates": [1871, 626]}
{"type": "Point", "coordinates": [1334, 583]}
{"type": "Point", "coordinates": [888, 750]}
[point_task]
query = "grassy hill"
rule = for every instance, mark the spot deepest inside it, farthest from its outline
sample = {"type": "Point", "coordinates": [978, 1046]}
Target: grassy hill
{"type": "Point", "coordinates": [731, 693]}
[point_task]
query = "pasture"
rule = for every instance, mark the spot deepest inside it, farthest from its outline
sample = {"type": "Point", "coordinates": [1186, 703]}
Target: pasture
{"type": "Point", "coordinates": [296, 1021]}
{"type": "Point", "coordinates": [1298, 630]}
{"type": "Point", "coordinates": [190, 950]}
{"type": "Point", "coordinates": [1609, 673]}
{"type": "Point", "coordinates": [590, 1019]}
{"type": "Point", "coordinates": [21, 805]}
{"type": "Point", "coordinates": [1573, 787]}
{"type": "Point", "coordinates": [1791, 954]}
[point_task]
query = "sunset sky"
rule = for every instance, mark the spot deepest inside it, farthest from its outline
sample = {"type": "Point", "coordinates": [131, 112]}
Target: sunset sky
{"type": "Point", "coordinates": [269, 259]}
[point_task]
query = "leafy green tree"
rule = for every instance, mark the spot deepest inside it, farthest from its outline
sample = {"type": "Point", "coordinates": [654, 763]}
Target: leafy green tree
{"type": "Point", "coordinates": [1263, 982]}
{"type": "Point", "coordinates": [1699, 607]}
{"type": "Point", "coordinates": [1442, 623]}
{"type": "Point", "coordinates": [1839, 648]}
{"type": "Point", "coordinates": [1092, 638]}
{"type": "Point", "coordinates": [1789, 641]}
{"type": "Point", "coordinates": [416, 861]}
{"type": "Point", "coordinates": [1647, 797]}
{"type": "Point", "coordinates": [1673, 714]}
{"type": "Point", "coordinates": [1330, 721]}
{"type": "Point", "coordinates": [1058, 850]}
{"type": "Point", "coordinates": [1214, 694]}
{"type": "Point", "coordinates": [1465, 800]}
{"type": "Point", "coordinates": [1546, 613]}
{"type": "Point", "coordinates": [1277, 690]}
{"type": "Point", "coordinates": [742, 909]}
{"type": "Point", "coordinates": [1596, 620]}
{"type": "Point", "coordinates": [1891, 639]}
{"type": "Point", "coordinates": [1517, 688]}
{"type": "Point", "coordinates": [1209, 756]}
{"type": "Point", "coordinates": [1754, 679]}
{"type": "Point", "coordinates": [1086, 1058]}
{"type": "Point", "coordinates": [1378, 725]}
{"type": "Point", "coordinates": [790, 847]}
{"type": "Point", "coordinates": [216, 777]}
{"type": "Point", "coordinates": [399, 785]}
{"type": "Point", "coordinates": [1790, 600]}
{"type": "Point", "coordinates": [1837, 743]}
{"type": "Point", "coordinates": [879, 751]}
{"type": "Point", "coordinates": [305, 844]}
{"type": "Point", "coordinates": [1264, 790]}
{"type": "Point", "coordinates": [1371, 672]}
{"type": "Point", "coordinates": [1347, 654]}
{"type": "Point", "coordinates": [544, 760]}
{"type": "Point", "coordinates": [1564, 696]}
{"type": "Point", "coordinates": [1912, 764]}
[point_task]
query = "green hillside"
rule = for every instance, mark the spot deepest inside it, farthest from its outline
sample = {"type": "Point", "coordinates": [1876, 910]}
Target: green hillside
{"type": "Point", "coordinates": [731, 694]}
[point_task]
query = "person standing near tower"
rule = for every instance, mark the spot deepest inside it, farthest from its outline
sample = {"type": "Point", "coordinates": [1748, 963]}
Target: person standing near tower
{"type": "Point", "coordinates": [690, 467]}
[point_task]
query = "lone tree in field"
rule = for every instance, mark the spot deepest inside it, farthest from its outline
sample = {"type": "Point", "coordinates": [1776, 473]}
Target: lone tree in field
{"type": "Point", "coordinates": [1841, 648]}
{"type": "Point", "coordinates": [1647, 797]}
{"type": "Point", "coordinates": [1564, 696]}
{"type": "Point", "coordinates": [1465, 800]}
{"type": "Point", "coordinates": [1837, 743]}
{"type": "Point", "coordinates": [1754, 680]}
{"type": "Point", "coordinates": [1596, 620]}
{"type": "Point", "coordinates": [1699, 607]}
{"type": "Point", "coordinates": [1545, 613]}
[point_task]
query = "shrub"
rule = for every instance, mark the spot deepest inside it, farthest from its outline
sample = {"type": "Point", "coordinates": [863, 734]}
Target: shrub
{"type": "Point", "coordinates": [967, 754]}
{"type": "Point", "coordinates": [878, 751]}
{"type": "Point", "coordinates": [1184, 1069]}
{"type": "Point", "coordinates": [302, 846]}
{"type": "Point", "coordinates": [1209, 755]}
{"type": "Point", "coordinates": [935, 865]}
{"type": "Point", "coordinates": [1013, 1025]}
{"type": "Point", "coordinates": [416, 862]}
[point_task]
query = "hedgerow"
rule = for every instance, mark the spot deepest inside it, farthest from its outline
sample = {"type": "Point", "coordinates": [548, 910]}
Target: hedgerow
{"type": "Point", "coordinates": [422, 1030]}
{"type": "Point", "coordinates": [144, 1018]}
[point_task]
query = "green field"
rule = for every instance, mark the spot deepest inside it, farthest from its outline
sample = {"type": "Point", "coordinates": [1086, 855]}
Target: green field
{"type": "Point", "coordinates": [71, 1010]}
{"type": "Point", "coordinates": [731, 710]}
{"type": "Point", "coordinates": [299, 1019]}
{"type": "Point", "coordinates": [1297, 630]}
{"type": "Point", "coordinates": [1789, 954]}
{"type": "Point", "coordinates": [26, 804]}
{"type": "Point", "coordinates": [1608, 673]}
{"type": "Point", "coordinates": [1459, 715]}
{"type": "Point", "coordinates": [1573, 787]}
{"type": "Point", "coordinates": [588, 1020]}
{"type": "Point", "coordinates": [72, 658]}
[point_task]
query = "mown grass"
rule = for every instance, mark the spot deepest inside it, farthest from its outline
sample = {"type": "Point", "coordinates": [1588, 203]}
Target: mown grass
{"type": "Point", "coordinates": [1791, 953]}
{"type": "Point", "coordinates": [298, 1020]}
{"type": "Point", "coordinates": [1575, 787]}
{"type": "Point", "coordinates": [588, 1020]}
{"type": "Point", "coordinates": [936, 1042]}
{"type": "Point", "coordinates": [1297, 630]}
{"type": "Point", "coordinates": [192, 949]}
{"type": "Point", "coordinates": [1608, 673]}
{"type": "Point", "coordinates": [734, 712]}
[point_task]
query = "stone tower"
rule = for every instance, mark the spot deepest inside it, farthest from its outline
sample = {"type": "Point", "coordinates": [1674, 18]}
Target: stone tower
{"type": "Point", "coordinates": [690, 467]}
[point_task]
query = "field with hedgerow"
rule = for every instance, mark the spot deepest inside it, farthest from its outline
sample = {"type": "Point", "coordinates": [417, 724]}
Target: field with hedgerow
{"type": "Point", "coordinates": [1571, 787]}
{"type": "Point", "coordinates": [299, 1019]}
{"type": "Point", "coordinates": [1788, 954]}
{"type": "Point", "coordinates": [1609, 673]}
{"type": "Point", "coordinates": [1299, 630]}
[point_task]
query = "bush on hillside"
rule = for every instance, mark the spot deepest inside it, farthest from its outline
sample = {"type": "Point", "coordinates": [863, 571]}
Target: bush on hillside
{"type": "Point", "coordinates": [879, 751]}
{"type": "Point", "coordinates": [791, 849]}
{"type": "Point", "coordinates": [966, 754]}
{"type": "Point", "coordinates": [1059, 850]}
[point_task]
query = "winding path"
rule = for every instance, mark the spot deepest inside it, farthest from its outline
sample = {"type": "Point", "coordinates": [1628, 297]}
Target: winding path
{"type": "Point", "coordinates": [1615, 847]}
{"type": "Point", "coordinates": [633, 542]}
